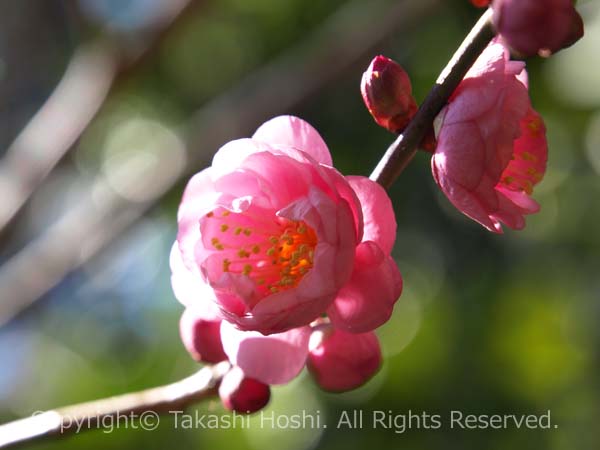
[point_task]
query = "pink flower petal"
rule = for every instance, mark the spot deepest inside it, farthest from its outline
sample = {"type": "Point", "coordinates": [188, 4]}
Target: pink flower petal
{"type": "Point", "coordinates": [231, 155]}
{"type": "Point", "coordinates": [190, 289]}
{"type": "Point", "coordinates": [347, 193]}
{"type": "Point", "coordinates": [460, 154]}
{"type": "Point", "coordinates": [521, 200]}
{"type": "Point", "coordinates": [198, 199]}
{"type": "Point", "coordinates": [465, 201]}
{"type": "Point", "coordinates": [274, 359]}
{"type": "Point", "coordinates": [378, 212]}
{"type": "Point", "coordinates": [294, 132]}
{"type": "Point", "coordinates": [367, 300]}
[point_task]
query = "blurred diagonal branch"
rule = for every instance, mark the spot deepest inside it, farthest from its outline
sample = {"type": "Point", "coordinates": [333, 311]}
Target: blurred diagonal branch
{"type": "Point", "coordinates": [90, 77]}
{"type": "Point", "coordinates": [350, 33]}
{"type": "Point", "coordinates": [143, 405]}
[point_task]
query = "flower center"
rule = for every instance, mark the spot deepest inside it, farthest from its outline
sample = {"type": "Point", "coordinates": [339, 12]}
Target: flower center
{"type": "Point", "coordinates": [274, 252]}
{"type": "Point", "coordinates": [526, 169]}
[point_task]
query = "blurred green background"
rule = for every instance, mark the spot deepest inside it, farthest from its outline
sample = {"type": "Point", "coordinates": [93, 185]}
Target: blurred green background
{"type": "Point", "coordinates": [486, 324]}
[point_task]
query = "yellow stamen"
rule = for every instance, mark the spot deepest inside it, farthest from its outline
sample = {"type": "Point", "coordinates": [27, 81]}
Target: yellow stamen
{"type": "Point", "coordinates": [226, 264]}
{"type": "Point", "coordinates": [529, 157]}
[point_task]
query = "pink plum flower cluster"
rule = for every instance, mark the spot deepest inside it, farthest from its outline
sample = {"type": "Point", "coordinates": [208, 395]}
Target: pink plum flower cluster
{"type": "Point", "coordinates": [490, 147]}
{"type": "Point", "coordinates": [283, 263]}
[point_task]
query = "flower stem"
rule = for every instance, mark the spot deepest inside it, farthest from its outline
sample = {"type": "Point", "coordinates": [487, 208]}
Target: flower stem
{"type": "Point", "coordinates": [403, 149]}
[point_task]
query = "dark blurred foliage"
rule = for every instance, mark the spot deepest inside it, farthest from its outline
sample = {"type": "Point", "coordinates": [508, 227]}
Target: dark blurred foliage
{"type": "Point", "coordinates": [486, 324]}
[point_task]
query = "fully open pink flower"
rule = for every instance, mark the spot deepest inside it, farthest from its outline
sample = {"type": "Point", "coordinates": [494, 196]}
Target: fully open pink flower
{"type": "Point", "coordinates": [268, 234]}
{"type": "Point", "coordinates": [272, 237]}
{"type": "Point", "coordinates": [492, 146]}
{"type": "Point", "coordinates": [537, 26]}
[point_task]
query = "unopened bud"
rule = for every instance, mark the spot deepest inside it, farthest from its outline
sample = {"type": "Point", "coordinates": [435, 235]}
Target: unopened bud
{"type": "Point", "coordinates": [201, 337]}
{"type": "Point", "coordinates": [387, 93]}
{"type": "Point", "coordinates": [241, 394]}
{"type": "Point", "coordinates": [340, 361]}
{"type": "Point", "coordinates": [531, 27]}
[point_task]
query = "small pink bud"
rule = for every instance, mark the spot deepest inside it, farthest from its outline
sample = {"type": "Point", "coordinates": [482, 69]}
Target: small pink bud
{"type": "Point", "coordinates": [201, 337]}
{"type": "Point", "coordinates": [532, 27]}
{"type": "Point", "coordinates": [341, 361]}
{"type": "Point", "coordinates": [241, 394]}
{"type": "Point", "coordinates": [386, 91]}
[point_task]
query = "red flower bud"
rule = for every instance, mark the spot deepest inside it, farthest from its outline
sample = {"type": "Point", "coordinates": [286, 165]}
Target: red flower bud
{"type": "Point", "coordinates": [386, 91]}
{"type": "Point", "coordinates": [341, 361]}
{"type": "Point", "coordinates": [241, 394]}
{"type": "Point", "coordinates": [481, 3]}
{"type": "Point", "coordinates": [532, 27]}
{"type": "Point", "coordinates": [201, 337]}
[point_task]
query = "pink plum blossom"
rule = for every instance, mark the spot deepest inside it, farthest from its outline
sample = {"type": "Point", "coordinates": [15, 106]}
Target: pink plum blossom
{"type": "Point", "coordinates": [341, 361]}
{"type": "Point", "coordinates": [537, 26]}
{"type": "Point", "coordinates": [492, 146]}
{"type": "Point", "coordinates": [272, 239]}
{"type": "Point", "coordinates": [268, 234]}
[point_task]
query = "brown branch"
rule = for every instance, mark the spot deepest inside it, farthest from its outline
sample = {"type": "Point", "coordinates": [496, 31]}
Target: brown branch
{"type": "Point", "coordinates": [90, 225]}
{"type": "Point", "coordinates": [90, 77]}
{"type": "Point", "coordinates": [403, 149]}
{"type": "Point", "coordinates": [143, 405]}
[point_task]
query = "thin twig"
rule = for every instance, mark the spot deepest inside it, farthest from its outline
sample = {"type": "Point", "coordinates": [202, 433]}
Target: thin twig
{"type": "Point", "coordinates": [135, 406]}
{"type": "Point", "coordinates": [403, 149]}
